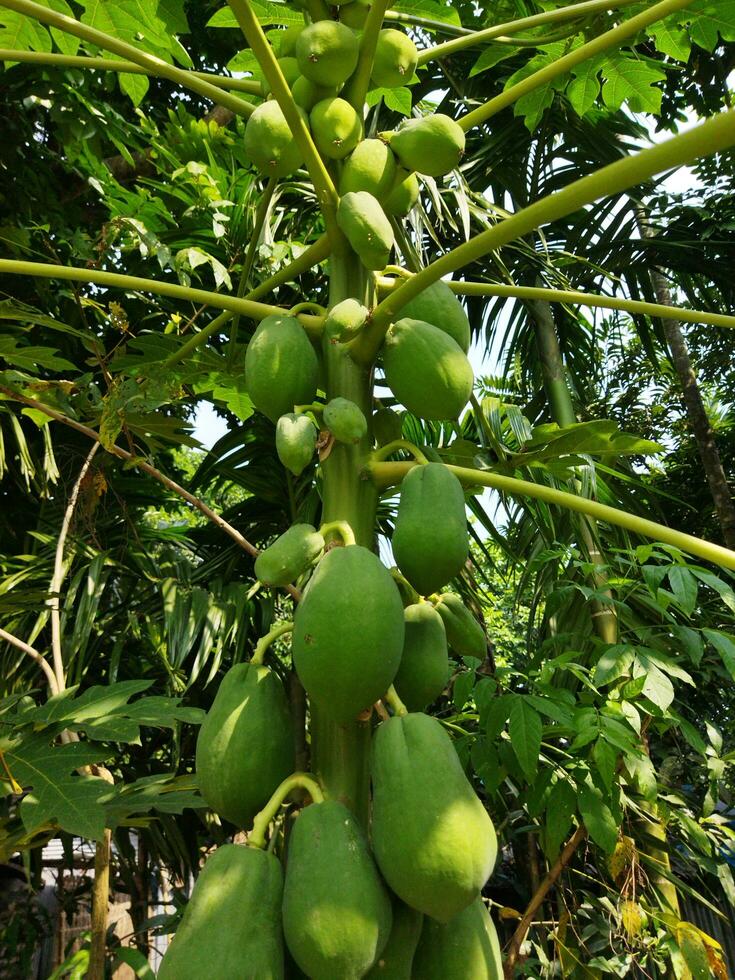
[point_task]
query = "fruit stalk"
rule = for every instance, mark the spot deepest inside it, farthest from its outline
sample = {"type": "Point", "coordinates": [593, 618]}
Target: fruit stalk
{"type": "Point", "coordinates": [299, 780]}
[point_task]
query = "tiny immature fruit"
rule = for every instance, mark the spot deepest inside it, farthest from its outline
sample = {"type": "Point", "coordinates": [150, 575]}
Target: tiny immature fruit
{"type": "Point", "coordinates": [345, 420]}
{"type": "Point", "coordinates": [431, 145]}
{"type": "Point", "coordinates": [368, 231]}
{"type": "Point", "coordinates": [289, 556]}
{"type": "Point", "coordinates": [336, 127]}
{"type": "Point", "coordinates": [327, 52]}
{"type": "Point", "coordinates": [296, 437]}
{"type": "Point", "coordinates": [396, 58]}
{"type": "Point", "coordinates": [269, 142]}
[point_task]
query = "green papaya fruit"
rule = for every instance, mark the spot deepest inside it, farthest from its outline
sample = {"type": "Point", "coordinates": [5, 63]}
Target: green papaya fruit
{"type": "Point", "coordinates": [269, 142]}
{"type": "Point", "coordinates": [345, 420]}
{"type": "Point", "coordinates": [466, 948]}
{"type": "Point", "coordinates": [424, 669]}
{"type": "Point", "coordinates": [336, 127]}
{"type": "Point", "coordinates": [438, 860]}
{"type": "Point", "coordinates": [287, 41]}
{"type": "Point", "coordinates": [281, 368]}
{"type": "Point", "coordinates": [355, 14]}
{"type": "Point", "coordinates": [345, 320]}
{"type": "Point", "coordinates": [231, 928]}
{"type": "Point", "coordinates": [348, 632]}
{"type": "Point", "coordinates": [438, 306]}
{"type": "Point", "coordinates": [465, 635]}
{"type": "Point", "coordinates": [370, 167]}
{"type": "Point", "coordinates": [368, 231]}
{"type": "Point", "coordinates": [306, 94]}
{"type": "Point", "coordinates": [431, 145]}
{"type": "Point", "coordinates": [403, 196]}
{"type": "Point", "coordinates": [289, 69]}
{"type": "Point", "coordinates": [387, 426]}
{"type": "Point", "coordinates": [394, 963]}
{"type": "Point", "coordinates": [245, 743]}
{"type": "Point", "coordinates": [427, 370]}
{"type": "Point", "coordinates": [289, 556]}
{"type": "Point", "coordinates": [296, 437]}
{"type": "Point", "coordinates": [336, 910]}
{"type": "Point", "coordinates": [430, 540]}
{"type": "Point", "coordinates": [327, 52]}
{"type": "Point", "coordinates": [395, 61]}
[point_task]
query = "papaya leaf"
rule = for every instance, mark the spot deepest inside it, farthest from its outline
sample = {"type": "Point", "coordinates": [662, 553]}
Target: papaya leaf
{"type": "Point", "coordinates": [31, 358]}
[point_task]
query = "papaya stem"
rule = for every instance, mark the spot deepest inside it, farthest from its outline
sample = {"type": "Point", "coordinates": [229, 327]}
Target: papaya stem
{"type": "Point", "coordinates": [342, 528]}
{"type": "Point", "coordinates": [391, 698]}
{"type": "Point", "coordinates": [405, 586]}
{"type": "Point", "coordinates": [299, 780]}
{"type": "Point", "coordinates": [264, 643]}
{"type": "Point", "coordinates": [390, 474]}
{"type": "Point", "coordinates": [316, 408]}
{"type": "Point", "coordinates": [392, 447]}
{"type": "Point", "coordinates": [711, 136]}
{"type": "Point", "coordinates": [307, 306]}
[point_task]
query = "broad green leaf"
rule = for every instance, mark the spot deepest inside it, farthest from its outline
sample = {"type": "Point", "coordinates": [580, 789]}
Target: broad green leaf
{"type": "Point", "coordinates": [492, 55]}
{"type": "Point", "coordinates": [429, 9]}
{"type": "Point", "coordinates": [632, 81]}
{"type": "Point", "coordinates": [21, 33]}
{"type": "Point", "coordinates": [709, 20]}
{"type": "Point", "coordinates": [525, 730]}
{"type": "Point", "coordinates": [560, 809]}
{"type": "Point", "coordinates": [606, 759]}
{"type": "Point", "coordinates": [584, 87]}
{"type": "Point", "coordinates": [684, 586]}
{"type": "Point", "coordinates": [615, 662]}
{"type": "Point", "coordinates": [32, 358]}
{"type": "Point", "coordinates": [135, 87]}
{"type": "Point", "coordinates": [598, 818]}
{"type": "Point", "coordinates": [724, 644]}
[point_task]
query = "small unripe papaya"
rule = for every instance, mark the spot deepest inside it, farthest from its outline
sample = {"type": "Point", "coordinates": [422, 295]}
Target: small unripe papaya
{"type": "Point", "coordinates": [403, 196]}
{"type": "Point", "coordinates": [361, 218]}
{"type": "Point", "coordinates": [438, 860]}
{"type": "Point", "coordinates": [395, 61]}
{"type": "Point", "coordinates": [336, 910]}
{"type": "Point", "coordinates": [281, 368]}
{"type": "Point", "coordinates": [387, 426]}
{"type": "Point", "coordinates": [287, 40]}
{"type": "Point", "coordinates": [431, 145]}
{"type": "Point", "coordinates": [427, 370]}
{"type": "Point", "coordinates": [345, 320]}
{"type": "Point", "coordinates": [269, 142]}
{"type": "Point", "coordinates": [370, 167]}
{"type": "Point", "coordinates": [424, 669]}
{"type": "Point", "coordinates": [345, 420]}
{"type": "Point", "coordinates": [394, 963]}
{"type": "Point", "coordinates": [466, 636]}
{"type": "Point", "coordinates": [430, 540]}
{"type": "Point", "coordinates": [306, 94]}
{"type": "Point", "coordinates": [355, 14]}
{"type": "Point", "coordinates": [289, 69]}
{"type": "Point", "coordinates": [336, 127]}
{"type": "Point", "coordinates": [289, 556]}
{"type": "Point", "coordinates": [438, 306]}
{"type": "Point", "coordinates": [348, 632]}
{"type": "Point", "coordinates": [296, 437]}
{"type": "Point", "coordinates": [466, 948]}
{"type": "Point", "coordinates": [327, 52]}
{"type": "Point", "coordinates": [245, 743]}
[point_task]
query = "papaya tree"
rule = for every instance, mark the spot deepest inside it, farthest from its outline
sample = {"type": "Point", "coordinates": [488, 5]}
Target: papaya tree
{"type": "Point", "coordinates": [368, 843]}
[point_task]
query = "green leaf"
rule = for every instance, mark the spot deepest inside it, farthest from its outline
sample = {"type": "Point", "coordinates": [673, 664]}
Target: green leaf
{"type": "Point", "coordinates": [134, 86]}
{"type": "Point", "coordinates": [491, 56]}
{"type": "Point", "coordinates": [584, 88]}
{"type": "Point", "coordinates": [615, 662]}
{"type": "Point", "coordinates": [560, 809]}
{"type": "Point", "coordinates": [31, 358]}
{"type": "Point", "coordinates": [684, 586]}
{"type": "Point", "coordinates": [724, 644]}
{"type": "Point", "coordinates": [598, 818]}
{"type": "Point", "coordinates": [606, 759]}
{"type": "Point", "coordinates": [429, 9]}
{"type": "Point", "coordinates": [709, 20]}
{"type": "Point", "coordinates": [525, 735]}
{"type": "Point", "coordinates": [631, 81]}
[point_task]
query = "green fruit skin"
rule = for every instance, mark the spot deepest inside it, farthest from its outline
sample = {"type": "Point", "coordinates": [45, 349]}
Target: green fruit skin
{"type": "Point", "coordinates": [345, 320]}
{"type": "Point", "coordinates": [466, 948]}
{"type": "Point", "coordinates": [287, 41]}
{"type": "Point", "coordinates": [296, 437]}
{"type": "Point", "coordinates": [348, 632]}
{"type": "Point", "coordinates": [361, 218]}
{"type": "Point", "coordinates": [465, 635]}
{"type": "Point", "coordinates": [281, 368]}
{"type": "Point", "coordinates": [306, 94]}
{"type": "Point", "coordinates": [336, 128]}
{"type": "Point", "coordinates": [394, 963]}
{"type": "Point", "coordinates": [354, 14]}
{"type": "Point", "coordinates": [403, 196]}
{"type": "Point", "coordinates": [289, 69]}
{"type": "Point", "coordinates": [371, 167]}
{"type": "Point", "coordinates": [438, 860]}
{"type": "Point", "coordinates": [395, 60]}
{"type": "Point", "coordinates": [438, 306]}
{"type": "Point", "coordinates": [345, 420]}
{"type": "Point", "coordinates": [424, 669]}
{"type": "Point", "coordinates": [327, 52]}
{"type": "Point", "coordinates": [427, 370]}
{"type": "Point", "coordinates": [336, 910]}
{"type": "Point", "coordinates": [245, 744]}
{"type": "Point", "coordinates": [269, 142]}
{"type": "Point", "coordinates": [289, 556]}
{"type": "Point", "coordinates": [432, 145]}
{"type": "Point", "coordinates": [231, 928]}
{"type": "Point", "coordinates": [430, 540]}
{"type": "Point", "coordinates": [387, 426]}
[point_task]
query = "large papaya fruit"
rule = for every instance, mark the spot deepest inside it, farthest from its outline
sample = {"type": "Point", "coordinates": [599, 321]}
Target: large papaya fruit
{"type": "Point", "coordinates": [371, 167]}
{"type": "Point", "coordinates": [438, 306]}
{"type": "Point", "coordinates": [424, 669]}
{"type": "Point", "coordinates": [269, 142]}
{"type": "Point", "coordinates": [366, 227]}
{"type": "Point", "coordinates": [336, 127]}
{"type": "Point", "coordinates": [427, 370]}
{"type": "Point", "coordinates": [430, 541]}
{"type": "Point", "coordinates": [281, 368]}
{"type": "Point", "coordinates": [394, 963]}
{"type": "Point", "coordinates": [245, 744]}
{"type": "Point", "coordinates": [336, 910]}
{"type": "Point", "coordinates": [395, 60]}
{"type": "Point", "coordinates": [348, 632]}
{"type": "Point", "coordinates": [466, 636]}
{"type": "Point", "coordinates": [465, 948]}
{"type": "Point", "coordinates": [431, 145]}
{"type": "Point", "coordinates": [231, 928]}
{"type": "Point", "coordinates": [432, 837]}
{"type": "Point", "coordinates": [296, 437]}
{"type": "Point", "coordinates": [289, 556]}
{"type": "Point", "coordinates": [327, 52]}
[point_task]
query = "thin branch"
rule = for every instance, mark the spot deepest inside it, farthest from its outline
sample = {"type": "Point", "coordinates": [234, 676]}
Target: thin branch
{"type": "Point", "coordinates": [358, 85]}
{"type": "Point", "coordinates": [549, 881]}
{"type": "Point", "coordinates": [40, 660]}
{"type": "Point", "coordinates": [167, 482]}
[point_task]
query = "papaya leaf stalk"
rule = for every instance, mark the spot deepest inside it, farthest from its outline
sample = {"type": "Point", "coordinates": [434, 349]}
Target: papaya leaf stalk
{"type": "Point", "coordinates": [299, 780]}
